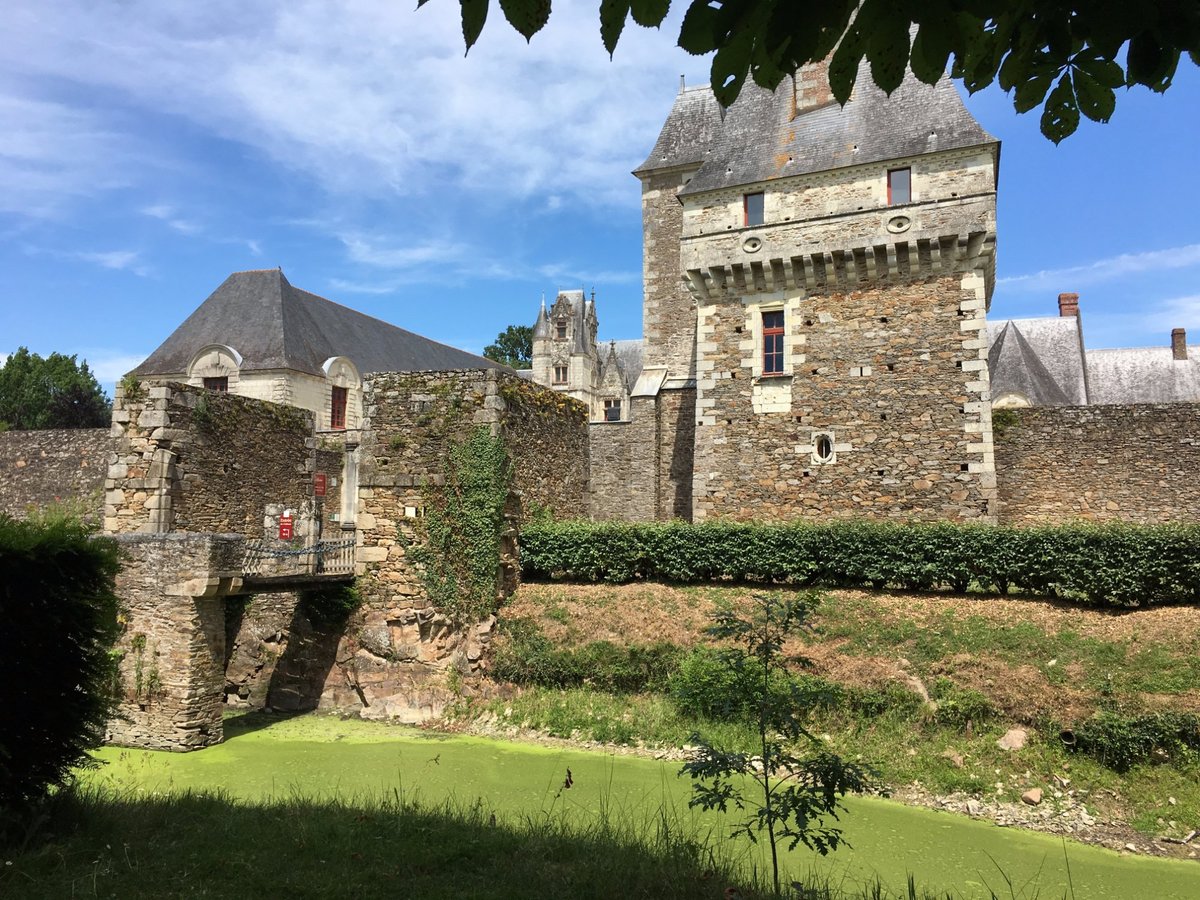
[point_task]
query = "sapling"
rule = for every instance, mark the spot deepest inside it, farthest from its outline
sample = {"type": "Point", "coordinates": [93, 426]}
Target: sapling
{"type": "Point", "coordinates": [793, 786]}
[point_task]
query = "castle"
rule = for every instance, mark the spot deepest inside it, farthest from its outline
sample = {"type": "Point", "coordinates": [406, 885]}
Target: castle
{"type": "Point", "coordinates": [815, 334]}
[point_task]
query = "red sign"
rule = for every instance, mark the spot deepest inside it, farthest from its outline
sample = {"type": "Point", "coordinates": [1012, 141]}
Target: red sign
{"type": "Point", "coordinates": [319, 484]}
{"type": "Point", "coordinates": [285, 528]}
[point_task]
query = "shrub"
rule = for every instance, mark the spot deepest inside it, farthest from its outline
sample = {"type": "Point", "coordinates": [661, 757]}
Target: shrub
{"type": "Point", "coordinates": [526, 656]}
{"type": "Point", "coordinates": [328, 607]}
{"type": "Point", "coordinates": [1118, 563]}
{"type": "Point", "coordinates": [958, 707]}
{"type": "Point", "coordinates": [1121, 742]}
{"type": "Point", "coordinates": [59, 622]}
{"type": "Point", "coordinates": [711, 684]}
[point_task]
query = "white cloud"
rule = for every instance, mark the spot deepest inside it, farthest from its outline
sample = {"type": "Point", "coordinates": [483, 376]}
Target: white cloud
{"type": "Point", "coordinates": [109, 366]}
{"type": "Point", "coordinates": [167, 214]}
{"type": "Point", "coordinates": [363, 96]}
{"type": "Point", "coordinates": [119, 260]}
{"type": "Point", "coordinates": [1073, 277]}
{"type": "Point", "coordinates": [1148, 323]}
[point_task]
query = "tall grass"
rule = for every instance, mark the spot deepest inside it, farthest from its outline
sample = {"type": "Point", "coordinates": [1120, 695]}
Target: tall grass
{"type": "Point", "coordinates": [97, 843]}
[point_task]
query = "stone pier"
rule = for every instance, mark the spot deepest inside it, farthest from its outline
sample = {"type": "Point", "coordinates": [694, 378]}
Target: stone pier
{"type": "Point", "coordinates": [172, 670]}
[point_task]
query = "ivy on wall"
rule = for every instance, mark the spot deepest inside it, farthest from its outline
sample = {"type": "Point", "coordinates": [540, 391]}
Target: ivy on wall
{"type": "Point", "coordinates": [463, 529]}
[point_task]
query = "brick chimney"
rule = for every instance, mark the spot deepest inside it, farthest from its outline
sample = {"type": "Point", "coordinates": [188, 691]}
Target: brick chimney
{"type": "Point", "coordinates": [1179, 343]}
{"type": "Point", "coordinates": [810, 87]}
{"type": "Point", "coordinates": [1068, 305]}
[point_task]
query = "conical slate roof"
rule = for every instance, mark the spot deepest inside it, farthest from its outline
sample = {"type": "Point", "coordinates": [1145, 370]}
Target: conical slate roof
{"type": "Point", "coordinates": [274, 325]}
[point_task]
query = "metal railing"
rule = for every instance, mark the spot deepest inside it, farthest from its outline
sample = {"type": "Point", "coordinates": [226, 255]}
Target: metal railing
{"type": "Point", "coordinates": [267, 560]}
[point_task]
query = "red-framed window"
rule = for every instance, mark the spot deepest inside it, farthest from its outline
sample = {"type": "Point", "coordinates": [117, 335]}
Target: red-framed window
{"type": "Point", "coordinates": [217, 384]}
{"type": "Point", "coordinates": [337, 407]}
{"type": "Point", "coordinates": [772, 332]}
{"type": "Point", "coordinates": [899, 186]}
{"type": "Point", "coordinates": [753, 209]}
{"type": "Point", "coordinates": [560, 374]}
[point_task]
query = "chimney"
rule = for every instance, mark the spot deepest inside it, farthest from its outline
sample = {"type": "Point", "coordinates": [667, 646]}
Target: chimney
{"type": "Point", "coordinates": [1178, 343]}
{"type": "Point", "coordinates": [1068, 305]}
{"type": "Point", "coordinates": [810, 87]}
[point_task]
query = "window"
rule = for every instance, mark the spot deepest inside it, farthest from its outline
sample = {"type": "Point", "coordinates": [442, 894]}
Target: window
{"type": "Point", "coordinates": [823, 450]}
{"type": "Point", "coordinates": [772, 332]}
{"type": "Point", "coordinates": [752, 206]}
{"type": "Point", "coordinates": [217, 384]}
{"type": "Point", "coordinates": [337, 408]}
{"type": "Point", "coordinates": [612, 410]}
{"type": "Point", "coordinates": [560, 329]}
{"type": "Point", "coordinates": [899, 186]}
{"type": "Point", "coordinates": [560, 374]}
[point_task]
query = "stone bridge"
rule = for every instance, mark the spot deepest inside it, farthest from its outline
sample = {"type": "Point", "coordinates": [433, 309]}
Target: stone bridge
{"type": "Point", "coordinates": [175, 587]}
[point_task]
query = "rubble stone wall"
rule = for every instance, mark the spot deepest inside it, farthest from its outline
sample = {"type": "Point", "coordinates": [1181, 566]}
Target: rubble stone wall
{"type": "Point", "coordinates": [201, 461]}
{"type": "Point", "coordinates": [40, 468]}
{"type": "Point", "coordinates": [172, 670]}
{"type": "Point", "coordinates": [1137, 463]}
{"type": "Point", "coordinates": [668, 313]}
{"type": "Point", "coordinates": [893, 375]}
{"type": "Point", "coordinates": [625, 467]}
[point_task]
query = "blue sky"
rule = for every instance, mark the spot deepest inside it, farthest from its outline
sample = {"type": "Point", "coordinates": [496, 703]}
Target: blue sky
{"type": "Point", "coordinates": [148, 148]}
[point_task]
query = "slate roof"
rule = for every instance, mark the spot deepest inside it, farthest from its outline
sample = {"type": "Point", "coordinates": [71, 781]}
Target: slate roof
{"type": "Point", "coordinates": [758, 140]}
{"type": "Point", "coordinates": [691, 128]}
{"type": "Point", "coordinates": [274, 325]}
{"type": "Point", "coordinates": [628, 357]}
{"type": "Point", "coordinates": [1143, 375]}
{"type": "Point", "coordinates": [1041, 358]}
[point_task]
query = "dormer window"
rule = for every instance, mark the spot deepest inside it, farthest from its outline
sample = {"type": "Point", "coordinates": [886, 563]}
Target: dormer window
{"type": "Point", "coordinates": [560, 329]}
{"type": "Point", "coordinates": [753, 209]}
{"type": "Point", "coordinates": [899, 186]}
{"type": "Point", "coordinates": [612, 410]}
{"type": "Point", "coordinates": [217, 384]}
{"type": "Point", "coordinates": [560, 374]}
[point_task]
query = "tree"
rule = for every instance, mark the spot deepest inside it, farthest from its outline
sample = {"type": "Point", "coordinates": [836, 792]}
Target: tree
{"type": "Point", "coordinates": [793, 785]}
{"type": "Point", "coordinates": [55, 392]}
{"type": "Point", "coordinates": [513, 347]}
{"type": "Point", "coordinates": [1066, 56]}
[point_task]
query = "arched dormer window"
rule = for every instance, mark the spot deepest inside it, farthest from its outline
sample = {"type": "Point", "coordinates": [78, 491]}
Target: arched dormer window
{"type": "Point", "coordinates": [216, 368]}
{"type": "Point", "coordinates": [343, 406]}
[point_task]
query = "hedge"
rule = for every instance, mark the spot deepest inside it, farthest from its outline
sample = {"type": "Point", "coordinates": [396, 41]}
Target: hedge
{"type": "Point", "coordinates": [1118, 564]}
{"type": "Point", "coordinates": [58, 621]}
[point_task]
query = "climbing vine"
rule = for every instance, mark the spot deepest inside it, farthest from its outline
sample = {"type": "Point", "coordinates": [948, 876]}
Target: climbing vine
{"type": "Point", "coordinates": [463, 528]}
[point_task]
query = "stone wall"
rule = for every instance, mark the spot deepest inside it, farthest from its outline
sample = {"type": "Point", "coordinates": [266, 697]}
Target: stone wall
{"type": "Point", "coordinates": [624, 465]}
{"type": "Point", "coordinates": [201, 461]}
{"type": "Point", "coordinates": [547, 437]}
{"type": "Point", "coordinates": [676, 410]}
{"type": "Point", "coordinates": [891, 374]}
{"type": "Point", "coordinates": [39, 468]}
{"type": "Point", "coordinates": [1100, 463]}
{"type": "Point", "coordinates": [172, 670]}
{"type": "Point", "coordinates": [668, 312]}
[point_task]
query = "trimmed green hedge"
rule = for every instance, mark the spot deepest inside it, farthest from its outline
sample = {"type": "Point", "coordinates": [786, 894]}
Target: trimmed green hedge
{"type": "Point", "coordinates": [1119, 564]}
{"type": "Point", "coordinates": [58, 622]}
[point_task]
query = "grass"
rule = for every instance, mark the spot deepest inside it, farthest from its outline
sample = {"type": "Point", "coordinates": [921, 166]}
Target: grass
{"type": "Point", "coordinates": [989, 663]}
{"type": "Point", "coordinates": [101, 844]}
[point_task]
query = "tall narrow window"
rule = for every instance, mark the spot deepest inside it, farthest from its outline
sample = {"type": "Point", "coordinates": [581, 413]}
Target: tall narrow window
{"type": "Point", "coordinates": [560, 374]}
{"type": "Point", "coordinates": [337, 408]}
{"type": "Point", "coordinates": [560, 329]}
{"type": "Point", "coordinates": [612, 410]}
{"type": "Point", "coordinates": [752, 207]}
{"type": "Point", "coordinates": [772, 332]}
{"type": "Point", "coordinates": [899, 186]}
{"type": "Point", "coordinates": [217, 384]}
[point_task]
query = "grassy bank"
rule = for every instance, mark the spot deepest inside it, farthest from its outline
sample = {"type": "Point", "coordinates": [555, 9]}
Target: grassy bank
{"type": "Point", "coordinates": [985, 664]}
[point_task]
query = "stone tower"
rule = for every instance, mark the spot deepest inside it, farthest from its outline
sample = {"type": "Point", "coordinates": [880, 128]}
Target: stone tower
{"type": "Point", "coordinates": [841, 262]}
{"type": "Point", "coordinates": [565, 356]}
